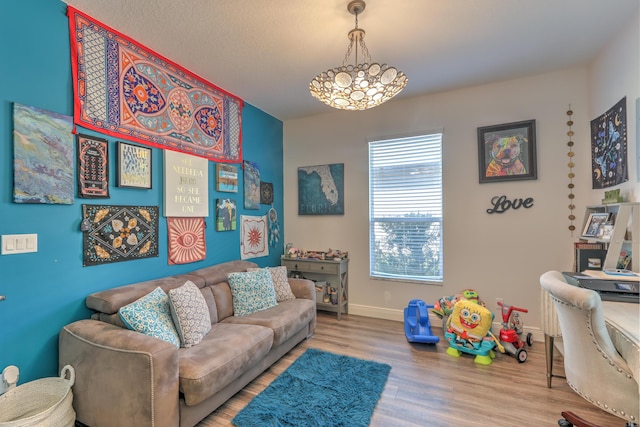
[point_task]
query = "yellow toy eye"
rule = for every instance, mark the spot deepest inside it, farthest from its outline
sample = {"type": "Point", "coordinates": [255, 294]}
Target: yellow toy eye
{"type": "Point", "coordinates": [475, 317]}
{"type": "Point", "coordinates": [465, 312]}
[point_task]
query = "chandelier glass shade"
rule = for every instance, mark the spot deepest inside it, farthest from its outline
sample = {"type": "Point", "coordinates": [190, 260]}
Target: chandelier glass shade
{"type": "Point", "coordinates": [359, 86]}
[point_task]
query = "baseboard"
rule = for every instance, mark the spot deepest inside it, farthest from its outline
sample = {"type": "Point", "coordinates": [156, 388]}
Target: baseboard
{"type": "Point", "coordinates": [436, 322]}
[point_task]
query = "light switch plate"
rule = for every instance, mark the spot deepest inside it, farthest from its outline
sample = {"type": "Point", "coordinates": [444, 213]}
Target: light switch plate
{"type": "Point", "coordinates": [19, 243]}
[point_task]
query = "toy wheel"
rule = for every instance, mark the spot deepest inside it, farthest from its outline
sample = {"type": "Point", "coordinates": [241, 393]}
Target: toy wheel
{"type": "Point", "coordinates": [521, 355]}
{"type": "Point", "coordinates": [529, 339]}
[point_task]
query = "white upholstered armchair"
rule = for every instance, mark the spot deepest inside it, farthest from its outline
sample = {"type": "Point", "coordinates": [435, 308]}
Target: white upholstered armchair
{"type": "Point", "coordinates": [552, 332]}
{"type": "Point", "coordinates": [593, 367]}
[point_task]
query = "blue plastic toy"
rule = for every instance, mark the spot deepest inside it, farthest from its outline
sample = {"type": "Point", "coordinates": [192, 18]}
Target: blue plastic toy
{"type": "Point", "coordinates": [417, 327]}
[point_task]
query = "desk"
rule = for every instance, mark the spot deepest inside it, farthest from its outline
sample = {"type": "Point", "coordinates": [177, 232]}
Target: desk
{"type": "Point", "coordinates": [623, 324]}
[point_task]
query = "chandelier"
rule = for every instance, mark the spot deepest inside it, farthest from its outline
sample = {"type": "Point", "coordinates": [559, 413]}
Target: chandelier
{"type": "Point", "coordinates": [357, 86]}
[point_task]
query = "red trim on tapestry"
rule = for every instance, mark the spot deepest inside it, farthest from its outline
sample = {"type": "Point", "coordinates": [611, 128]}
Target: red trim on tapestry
{"type": "Point", "coordinates": [71, 11]}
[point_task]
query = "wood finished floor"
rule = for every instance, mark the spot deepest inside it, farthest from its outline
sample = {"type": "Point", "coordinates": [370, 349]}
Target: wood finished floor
{"type": "Point", "coordinates": [427, 387]}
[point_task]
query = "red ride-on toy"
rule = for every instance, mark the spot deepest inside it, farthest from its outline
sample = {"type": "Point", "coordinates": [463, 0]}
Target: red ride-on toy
{"type": "Point", "coordinates": [511, 332]}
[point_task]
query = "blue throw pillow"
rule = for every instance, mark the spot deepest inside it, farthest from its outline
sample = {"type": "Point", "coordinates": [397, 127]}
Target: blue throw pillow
{"type": "Point", "coordinates": [252, 291]}
{"type": "Point", "coordinates": [151, 316]}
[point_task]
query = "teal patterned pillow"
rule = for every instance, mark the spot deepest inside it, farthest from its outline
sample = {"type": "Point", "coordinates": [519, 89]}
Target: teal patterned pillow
{"type": "Point", "coordinates": [190, 313]}
{"type": "Point", "coordinates": [151, 316]}
{"type": "Point", "coordinates": [252, 291]}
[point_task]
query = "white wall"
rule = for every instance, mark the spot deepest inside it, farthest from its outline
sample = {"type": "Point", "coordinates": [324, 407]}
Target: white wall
{"type": "Point", "coordinates": [499, 255]}
{"type": "Point", "coordinates": [615, 73]}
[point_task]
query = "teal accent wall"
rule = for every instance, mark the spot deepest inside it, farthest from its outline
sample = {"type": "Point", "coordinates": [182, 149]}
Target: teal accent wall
{"type": "Point", "coordinates": [46, 290]}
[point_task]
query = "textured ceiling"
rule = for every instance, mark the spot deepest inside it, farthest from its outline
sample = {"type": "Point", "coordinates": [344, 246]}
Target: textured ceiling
{"type": "Point", "coordinates": [267, 51]}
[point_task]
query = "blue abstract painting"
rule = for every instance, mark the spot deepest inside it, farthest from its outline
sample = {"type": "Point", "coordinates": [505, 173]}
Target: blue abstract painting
{"type": "Point", "coordinates": [42, 156]}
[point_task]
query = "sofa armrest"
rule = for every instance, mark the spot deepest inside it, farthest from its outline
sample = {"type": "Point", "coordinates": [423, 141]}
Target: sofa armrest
{"type": "Point", "coordinates": [123, 377]}
{"type": "Point", "coordinates": [303, 288]}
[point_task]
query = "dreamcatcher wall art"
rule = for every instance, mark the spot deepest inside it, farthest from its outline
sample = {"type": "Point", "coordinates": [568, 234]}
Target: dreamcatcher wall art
{"type": "Point", "coordinates": [124, 89]}
{"type": "Point", "coordinates": [609, 147]}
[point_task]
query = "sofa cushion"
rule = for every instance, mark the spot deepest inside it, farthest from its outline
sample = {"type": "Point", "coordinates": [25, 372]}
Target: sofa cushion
{"type": "Point", "coordinates": [252, 291]}
{"type": "Point", "coordinates": [151, 315]}
{"type": "Point", "coordinates": [227, 352]}
{"type": "Point", "coordinates": [286, 319]}
{"type": "Point", "coordinates": [280, 282]}
{"type": "Point", "coordinates": [190, 313]}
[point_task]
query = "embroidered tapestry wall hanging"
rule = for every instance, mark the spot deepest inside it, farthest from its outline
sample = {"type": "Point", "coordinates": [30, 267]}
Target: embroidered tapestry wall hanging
{"type": "Point", "coordinates": [119, 233]}
{"type": "Point", "coordinates": [186, 240]}
{"type": "Point", "coordinates": [93, 167]}
{"type": "Point", "coordinates": [42, 156]}
{"type": "Point", "coordinates": [124, 89]}
{"type": "Point", "coordinates": [253, 235]}
{"type": "Point", "coordinates": [609, 147]}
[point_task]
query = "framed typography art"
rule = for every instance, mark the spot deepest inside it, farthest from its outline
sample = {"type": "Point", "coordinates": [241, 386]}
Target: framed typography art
{"type": "Point", "coordinates": [507, 152]}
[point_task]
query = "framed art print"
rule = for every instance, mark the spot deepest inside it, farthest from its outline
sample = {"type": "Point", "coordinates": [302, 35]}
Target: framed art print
{"type": "Point", "coordinates": [594, 222]}
{"type": "Point", "coordinates": [225, 215]}
{"type": "Point", "coordinates": [507, 152]}
{"type": "Point", "coordinates": [226, 178]}
{"type": "Point", "coordinates": [251, 185]}
{"type": "Point", "coordinates": [134, 166]}
{"type": "Point", "coordinates": [43, 172]}
{"type": "Point", "coordinates": [266, 193]}
{"type": "Point", "coordinates": [93, 167]}
{"type": "Point", "coordinates": [321, 189]}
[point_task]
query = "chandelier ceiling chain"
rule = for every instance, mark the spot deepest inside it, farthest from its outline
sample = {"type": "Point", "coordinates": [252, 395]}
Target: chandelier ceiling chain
{"type": "Point", "coordinates": [358, 86]}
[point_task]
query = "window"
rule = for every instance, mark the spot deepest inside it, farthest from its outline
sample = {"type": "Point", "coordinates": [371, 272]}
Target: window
{"type": "Point", "coordinates": [405, 208]}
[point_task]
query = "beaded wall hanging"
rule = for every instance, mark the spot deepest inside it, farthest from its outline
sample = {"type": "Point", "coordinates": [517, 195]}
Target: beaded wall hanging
{"type": "Point", "coordinates": [571, 175]}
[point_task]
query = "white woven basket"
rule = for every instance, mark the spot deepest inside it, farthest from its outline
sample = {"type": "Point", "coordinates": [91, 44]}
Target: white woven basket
{"type": "Point", "coordinates": [46, 402]}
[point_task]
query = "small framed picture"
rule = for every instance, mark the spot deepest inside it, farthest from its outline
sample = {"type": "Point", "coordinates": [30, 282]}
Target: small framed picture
{"type": "Point", "coordinates": [134, 166]}
{"type": "Point", "coordinates": [594, 222]}
{"type": "Point", "coordinates": [507, 152]}
{"type": "Point", "coordinates": [605, 232]}
{"type": "Point", "coordinates": [266, 193]}
{"type": "Point", "coordinates": [93, 167]}
{"type": "Point", "coordinates": [226, 178]}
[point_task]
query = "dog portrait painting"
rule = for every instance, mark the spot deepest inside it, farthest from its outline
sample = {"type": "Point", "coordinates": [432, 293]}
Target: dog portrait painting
{"type": "Point", "coordinates": [507, 152]}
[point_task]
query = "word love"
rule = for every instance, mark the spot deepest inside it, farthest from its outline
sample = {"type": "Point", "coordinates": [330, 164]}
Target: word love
{"type": "Point", "coordinates": [502, 204]}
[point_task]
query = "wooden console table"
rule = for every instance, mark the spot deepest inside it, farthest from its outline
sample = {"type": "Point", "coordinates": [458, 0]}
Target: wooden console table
{"type": "Point", "coordinates": [335, 273]}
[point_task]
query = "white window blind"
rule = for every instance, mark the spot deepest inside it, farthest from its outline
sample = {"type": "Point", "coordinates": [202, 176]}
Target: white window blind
{"type": "Point", "coordinates": [405, 208]}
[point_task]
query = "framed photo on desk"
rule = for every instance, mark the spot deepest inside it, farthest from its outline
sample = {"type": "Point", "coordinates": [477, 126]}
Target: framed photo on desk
{"type": "Point", "coordinates": [594, 222]}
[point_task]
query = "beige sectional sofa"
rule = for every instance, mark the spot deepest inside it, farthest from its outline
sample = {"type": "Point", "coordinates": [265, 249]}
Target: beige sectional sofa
{"type": "Point", "coordinates": [126, 378]}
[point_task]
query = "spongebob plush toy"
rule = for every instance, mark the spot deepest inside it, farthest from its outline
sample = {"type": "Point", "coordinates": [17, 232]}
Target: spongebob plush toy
{"type": "Point", "coordinates": [469, 331]}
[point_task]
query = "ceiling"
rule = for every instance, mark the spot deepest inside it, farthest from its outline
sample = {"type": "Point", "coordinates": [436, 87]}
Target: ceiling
{"type": "Point", "coordinates": [267, 51]}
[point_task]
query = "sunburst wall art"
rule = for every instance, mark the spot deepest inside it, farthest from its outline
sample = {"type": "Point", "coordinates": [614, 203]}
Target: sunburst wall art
{"type": "Point", "coordinates": [187, 241]}
{"type": "Point", "coordinates": [253, 235]}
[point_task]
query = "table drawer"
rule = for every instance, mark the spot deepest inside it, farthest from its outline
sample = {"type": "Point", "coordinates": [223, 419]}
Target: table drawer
{"type": "Point", "coordinates": [312, 266]}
